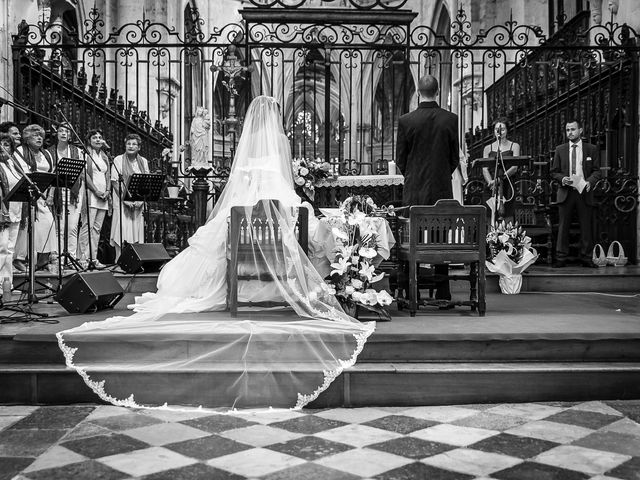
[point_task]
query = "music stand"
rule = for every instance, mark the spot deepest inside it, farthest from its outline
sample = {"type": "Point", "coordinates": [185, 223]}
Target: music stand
{"type": "Point", "coordinates": [145, 187]}
{"type": "Point", "coordinates": [67, 172]}
{"type": "Point", "coordinates": [28, 189]}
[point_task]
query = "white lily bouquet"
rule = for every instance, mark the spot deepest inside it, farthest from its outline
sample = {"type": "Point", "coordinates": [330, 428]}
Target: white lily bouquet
{"type": "Point", "coordinates": [509, 253]}
{"type": "Point", "coordinates": [354, 266]}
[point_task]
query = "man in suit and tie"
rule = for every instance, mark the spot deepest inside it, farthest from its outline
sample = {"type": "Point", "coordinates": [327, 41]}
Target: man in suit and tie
{"type": "Point", "coordinates": [427, 153]}
{"type": "Point", "coordinates": [576, 165]}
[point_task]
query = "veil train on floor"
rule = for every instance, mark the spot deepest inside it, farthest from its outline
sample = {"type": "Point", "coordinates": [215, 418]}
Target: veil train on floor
{"type": "Point", "coordinates": [172, 352]}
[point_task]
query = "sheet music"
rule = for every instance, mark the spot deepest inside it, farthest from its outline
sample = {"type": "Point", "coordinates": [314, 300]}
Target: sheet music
{"type": "Point", "coordinates": [578, 182]}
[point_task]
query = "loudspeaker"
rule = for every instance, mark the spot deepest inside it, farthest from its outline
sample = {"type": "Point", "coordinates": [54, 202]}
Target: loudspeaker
{"type": "Point", "coordinates": [143, 257]}
{"type": "Point", "coordinates": [89, 291]}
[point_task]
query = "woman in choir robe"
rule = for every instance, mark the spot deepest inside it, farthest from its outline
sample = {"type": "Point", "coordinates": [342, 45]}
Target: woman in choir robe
{"type": "Point", "coordinates": [127, 223]}
{"type": "Point", "coordinates": [32, 157]}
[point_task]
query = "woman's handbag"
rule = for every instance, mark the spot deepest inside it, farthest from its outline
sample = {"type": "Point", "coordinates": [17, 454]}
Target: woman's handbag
{"type": "Point", "coordinates": [598, 257]}
{"type": "Point", "coordinates": [619, 260]}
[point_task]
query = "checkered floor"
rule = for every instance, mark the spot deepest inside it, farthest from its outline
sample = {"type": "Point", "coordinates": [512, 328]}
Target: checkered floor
{"type": "Point", "coordinates": [597, 440]}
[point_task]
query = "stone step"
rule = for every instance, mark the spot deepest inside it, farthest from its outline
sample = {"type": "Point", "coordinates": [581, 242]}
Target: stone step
{"type": "Point", "coordinates": [576, 279]}
{"type": "Point", "coordinates": [365, 384]}
{"type": "Point", "coordinates": [379, 349]}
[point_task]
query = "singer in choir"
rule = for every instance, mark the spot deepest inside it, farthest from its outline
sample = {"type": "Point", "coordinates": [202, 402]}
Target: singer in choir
{"type": "Point", "coordinates": [97, 192]}
{"type": "Point", "coordinates": [11, 212]}
{"type": "Point", "coordinates": [32, 157]}
{"type": "Point", "coordinates": [502, 187]}
{"type": "Point", "coordinates": [67, 201]}
{"type": "Point", "coordinates": [127, 223]}
{"type": "Point", "coordinates": [13, 130]}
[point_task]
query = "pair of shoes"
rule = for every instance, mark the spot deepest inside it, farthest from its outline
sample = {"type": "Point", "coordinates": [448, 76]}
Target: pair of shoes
{"type": "Point", "coordinates": [560, 264]}
{"type": "Point", "coordinates": [97, 264]}
{"type": "Point", "coordinates": [19, 266]}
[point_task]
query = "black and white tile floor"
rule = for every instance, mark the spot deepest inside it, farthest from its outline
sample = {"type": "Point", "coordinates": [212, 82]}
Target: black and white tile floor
{"type": "Point", "coordinates": [538, 441]}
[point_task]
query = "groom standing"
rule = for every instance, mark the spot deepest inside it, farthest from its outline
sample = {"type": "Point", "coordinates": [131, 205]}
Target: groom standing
{"type": "Point", "coordinates": [427, 153]}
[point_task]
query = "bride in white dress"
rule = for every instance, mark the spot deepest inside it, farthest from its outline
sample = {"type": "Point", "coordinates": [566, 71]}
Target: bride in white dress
{"type": "Point", "coordinates": [169, 352]}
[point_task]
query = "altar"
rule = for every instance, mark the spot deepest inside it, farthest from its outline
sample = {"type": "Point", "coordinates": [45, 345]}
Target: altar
{"type": "Point", "coordinates": [383, 189]}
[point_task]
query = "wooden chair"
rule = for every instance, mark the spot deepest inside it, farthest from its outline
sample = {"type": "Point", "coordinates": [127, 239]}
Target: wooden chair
{"type": "Point", "coordinates": [444, 233]}
{"type": "Point", "coordinates": [259, 232]}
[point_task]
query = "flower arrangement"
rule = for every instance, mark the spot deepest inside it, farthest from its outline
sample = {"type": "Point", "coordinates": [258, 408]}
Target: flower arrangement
{"type": "Point", "coordinates": [354, 266]}
{"type": "Point", "coordinates": [509, 253]}
{"type": "Point", "coordinates": [306, 173]}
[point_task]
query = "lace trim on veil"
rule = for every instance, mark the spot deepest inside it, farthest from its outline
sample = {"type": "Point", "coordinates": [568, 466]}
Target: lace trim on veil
{"type": "Point", "coordinates": [303, 400]}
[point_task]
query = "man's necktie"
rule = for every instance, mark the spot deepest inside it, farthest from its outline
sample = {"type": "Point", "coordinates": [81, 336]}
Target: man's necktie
{"type": "Point", "coordinates": [574, 158]}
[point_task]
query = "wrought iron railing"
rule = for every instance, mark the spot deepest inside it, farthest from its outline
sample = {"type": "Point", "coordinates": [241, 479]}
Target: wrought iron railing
{"type": "Point", "coordinates": [343, 76]}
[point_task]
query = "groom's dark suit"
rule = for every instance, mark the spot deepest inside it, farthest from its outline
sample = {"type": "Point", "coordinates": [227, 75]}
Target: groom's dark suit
{"type": "Point", "coordinates": [427, 153]}
{"type": "Point", "coordinates": [569, 198]}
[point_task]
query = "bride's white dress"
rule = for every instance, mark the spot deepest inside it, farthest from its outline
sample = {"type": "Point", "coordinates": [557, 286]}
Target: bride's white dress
{"type": "Point", "coordinates": [213, 360]}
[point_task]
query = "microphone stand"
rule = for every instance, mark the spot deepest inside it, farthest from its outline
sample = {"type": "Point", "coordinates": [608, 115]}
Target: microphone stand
{"type": "Point", "coordinates": [23, 109]}
{"type": "Point", "coordinates": [33, 195]}
{"type": "Point", "coordinates": [88, 158]}
{"type": "Point", "coordinates": [63, 245]}
{"type": "Point", "coordinates": [496, 197]}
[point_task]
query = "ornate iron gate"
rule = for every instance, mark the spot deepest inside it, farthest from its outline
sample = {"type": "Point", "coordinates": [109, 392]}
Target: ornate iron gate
{"type": "Point", "coordinates": [343, 76]}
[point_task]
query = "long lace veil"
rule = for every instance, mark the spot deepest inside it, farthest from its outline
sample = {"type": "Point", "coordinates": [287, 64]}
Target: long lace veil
{"type": "Point", "coordinates": [182, 348]}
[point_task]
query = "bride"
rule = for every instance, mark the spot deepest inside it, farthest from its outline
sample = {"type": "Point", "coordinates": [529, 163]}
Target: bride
{"type": "Point", "coordinates": [172, 352]}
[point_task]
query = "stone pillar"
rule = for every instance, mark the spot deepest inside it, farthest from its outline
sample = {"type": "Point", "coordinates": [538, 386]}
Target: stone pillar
{"type": "Point", "coordinates": [200, 193]}
{"type": "Point", "coordinates": [135, 76]}
{"type": "Point", "coordinates": [6, 70]}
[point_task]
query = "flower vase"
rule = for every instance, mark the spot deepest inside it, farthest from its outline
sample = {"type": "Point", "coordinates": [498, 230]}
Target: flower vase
{"type": "Point", "coordinates": [173, 191]}
{"type": "Point", "coordinates": [510, 284]}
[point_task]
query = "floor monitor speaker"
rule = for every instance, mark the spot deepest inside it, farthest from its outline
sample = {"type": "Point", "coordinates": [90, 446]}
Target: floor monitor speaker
{"type": "Point", "coordinates": [89, 292]}
{"type": "Point", "coordinates": [143, 257]}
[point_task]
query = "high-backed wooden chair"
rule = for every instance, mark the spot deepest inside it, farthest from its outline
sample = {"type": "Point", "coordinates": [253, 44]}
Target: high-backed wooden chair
{"type": "Point", "coordinates": [259, 232]}
{"type": "Point", "coordinates": [444, 233]}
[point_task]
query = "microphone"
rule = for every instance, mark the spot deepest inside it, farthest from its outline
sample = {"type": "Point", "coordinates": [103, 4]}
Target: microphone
{"type": "Point", "coordinates": [4, 101]}
{"type": "Point", "coordinates": [498, 134]}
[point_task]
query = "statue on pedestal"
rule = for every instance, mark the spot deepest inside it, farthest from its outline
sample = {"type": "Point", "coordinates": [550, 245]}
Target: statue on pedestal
{"type": "Point", "coordinates": [199, 139]}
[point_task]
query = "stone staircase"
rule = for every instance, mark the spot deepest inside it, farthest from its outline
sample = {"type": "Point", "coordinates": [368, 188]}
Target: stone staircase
{"type": "Point", "coordinates": [529, 348]}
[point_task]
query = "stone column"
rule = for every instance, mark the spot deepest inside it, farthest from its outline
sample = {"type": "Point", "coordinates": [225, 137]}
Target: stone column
{"type": "Point", "coordinates": [200, 192]}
